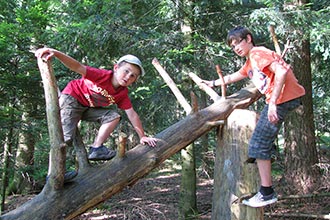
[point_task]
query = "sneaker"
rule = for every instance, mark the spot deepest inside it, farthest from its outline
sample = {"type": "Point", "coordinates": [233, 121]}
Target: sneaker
{"type": "Point", "coordinates": [101, 153]}
{"type": "Point", "coordinates": [68, 176]}
{"type": "Point", "coordinates": [258, 200]}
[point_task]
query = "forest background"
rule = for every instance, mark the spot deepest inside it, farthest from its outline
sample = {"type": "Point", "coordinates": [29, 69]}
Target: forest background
{"type": "Point", "coordinates": [184, 35]}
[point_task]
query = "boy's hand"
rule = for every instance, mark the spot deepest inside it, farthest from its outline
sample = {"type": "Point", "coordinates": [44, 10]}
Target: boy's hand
{"type": "Point", "coordinates": [272, 113]}
{"type": "Point", "coordinates": [148, 140]}
{"type": "Point", "coordinates": [45, 53]}
{"type": "Point", "coordinates": [208, 83]}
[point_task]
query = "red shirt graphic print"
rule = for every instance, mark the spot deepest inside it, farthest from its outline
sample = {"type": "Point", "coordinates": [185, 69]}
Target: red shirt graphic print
{"type": "Point", "coordinates": [96, 90]}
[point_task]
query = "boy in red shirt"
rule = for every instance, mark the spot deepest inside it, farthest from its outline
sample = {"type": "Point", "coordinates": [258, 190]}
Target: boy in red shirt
{"type": "Point", "coordinates": [87, 97]}
{"type": "Point", "coordinates": [275, 79]}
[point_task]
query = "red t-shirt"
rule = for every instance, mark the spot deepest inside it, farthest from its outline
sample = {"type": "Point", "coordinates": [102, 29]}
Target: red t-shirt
{"type": "Point", "coordinates": [96, 90]}
{"type": "Point", "coordinates": [256, 68]}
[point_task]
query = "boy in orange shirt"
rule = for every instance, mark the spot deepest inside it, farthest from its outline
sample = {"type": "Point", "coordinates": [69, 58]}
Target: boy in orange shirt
{"type": "Point", "coordinates": [275, 79]}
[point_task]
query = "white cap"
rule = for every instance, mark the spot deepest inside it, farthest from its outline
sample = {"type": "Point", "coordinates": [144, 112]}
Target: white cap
{"type": "Point", "coordinates": [133, 60]}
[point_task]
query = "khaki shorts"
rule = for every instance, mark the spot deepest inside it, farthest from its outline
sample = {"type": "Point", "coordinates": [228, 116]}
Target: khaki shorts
{"type": "Point", "coordinates": [72, 112]}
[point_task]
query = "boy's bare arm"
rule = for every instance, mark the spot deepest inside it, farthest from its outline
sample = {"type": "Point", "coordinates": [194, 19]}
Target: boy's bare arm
{"type": "Point", "coordinates": [137, 124]}
{"type": "Point", "coordinates": [68, 61]}
{"type": "Point", "coordinates": [228, 79]}
{"type": "Point", "coordinates": [280, 74]}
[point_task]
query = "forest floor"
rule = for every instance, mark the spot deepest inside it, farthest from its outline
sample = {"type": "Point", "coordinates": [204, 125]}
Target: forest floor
{"type": "Point", "coordinates": [156, 197]}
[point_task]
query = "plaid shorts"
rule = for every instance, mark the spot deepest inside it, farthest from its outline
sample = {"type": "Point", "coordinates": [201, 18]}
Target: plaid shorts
{"type": "Point", "coordinates": [265, 133]}
{"type": "Point", "coordinates": [72, 112]}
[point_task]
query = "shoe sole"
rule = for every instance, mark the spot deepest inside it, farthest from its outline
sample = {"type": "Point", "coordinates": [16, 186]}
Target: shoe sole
{"type": "Point", "coordinates": [69, 176]}
{"type": "Point", "coordinates": [262, 204]}
{"type": "Point", "coordinates": [108, 157]}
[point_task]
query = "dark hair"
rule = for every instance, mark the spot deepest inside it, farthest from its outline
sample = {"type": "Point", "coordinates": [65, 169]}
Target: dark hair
{"type": "Point", "coordinates": [238, 33]}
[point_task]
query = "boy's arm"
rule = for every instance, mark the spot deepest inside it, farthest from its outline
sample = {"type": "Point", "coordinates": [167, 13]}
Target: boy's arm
{"type": "Point", "coordinates": [234, 77]}
{"type": "Point", "coordinates": [137, 124]}
{"type": "Point", "coordinates": [68, 61]}
{"type": "Point", "coordinates": [280, 74]}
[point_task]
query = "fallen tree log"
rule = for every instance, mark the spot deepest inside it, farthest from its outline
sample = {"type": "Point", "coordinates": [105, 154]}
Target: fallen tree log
{"type": "Point", "coordinates": [98, 183]}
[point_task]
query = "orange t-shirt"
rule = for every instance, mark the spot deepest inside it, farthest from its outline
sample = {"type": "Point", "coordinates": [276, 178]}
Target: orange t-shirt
{"type": "Point", "coordinates": [256, 68]}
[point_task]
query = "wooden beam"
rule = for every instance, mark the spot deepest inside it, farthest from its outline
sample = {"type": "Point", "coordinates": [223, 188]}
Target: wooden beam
{"type": "Point", "coordinates": [223, 86]}
{"type": "Point", "coordinates": [214, 96]}
{"type": "Point", "coordinates": [57, 154]}
{"type": "Point", "coordinates": [170, 83]}
{"type": "Point", "coordinates": [275, 41]}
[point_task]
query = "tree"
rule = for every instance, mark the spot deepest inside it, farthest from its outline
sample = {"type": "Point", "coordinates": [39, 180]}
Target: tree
{"type": "Point", "coordinates": [188, 203]}
{"type": "Point", "coordinates": [300, 145]}
{"type": "Point", "coordinates": [24, 159]}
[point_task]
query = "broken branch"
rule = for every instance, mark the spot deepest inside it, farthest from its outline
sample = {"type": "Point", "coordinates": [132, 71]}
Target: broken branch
{"type": "Point", "coordinates": [276, 44]}
{"type": "Point", "coordinates": [286, 48]}
{"type": "Point", "coordinates": [170, 83]}
{"type": "Point", "coordinates": [223, 85]}
{"type": "Point", "coordinates": [214, 96]}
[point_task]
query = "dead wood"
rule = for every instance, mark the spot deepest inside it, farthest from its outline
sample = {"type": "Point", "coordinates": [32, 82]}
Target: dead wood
{"type": "Point", "coordinates": [58, 147]}
{"type": "Point", "coordinates": [98, 183]}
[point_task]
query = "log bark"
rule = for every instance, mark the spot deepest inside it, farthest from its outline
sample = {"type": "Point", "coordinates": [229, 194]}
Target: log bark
{"type": "Point", "coordinates": [98, 183]}
{"type": "Point", "coordinates": [232, 177]}
{"type": "Point", "coordinates": [57, 154]}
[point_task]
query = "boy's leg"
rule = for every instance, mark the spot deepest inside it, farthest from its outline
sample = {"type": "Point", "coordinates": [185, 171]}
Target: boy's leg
{"type": "Point", "coordinates": [105, 131]}
{"type": "Point", "coordinates": [264, 168]}
{"type": "Point", "coordinates": [260, 148]}
{"type": "Point", "coordinates": [71, 113]}
{"type": "Point", "coordinates": [109, 120]}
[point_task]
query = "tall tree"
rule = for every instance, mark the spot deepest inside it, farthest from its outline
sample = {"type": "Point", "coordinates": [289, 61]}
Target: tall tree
{"type": "Point", "coordinates": [300, 145]}
{"type": "Point", "coordinates": [22, 182]}
{"type": "Point", "coordinates": [8, 152]}
{"type": "Point", "coordinates": [188, 203]}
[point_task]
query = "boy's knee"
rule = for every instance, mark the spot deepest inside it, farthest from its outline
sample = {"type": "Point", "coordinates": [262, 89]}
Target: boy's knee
{"type": "Point", "coordinates": [113, 118]}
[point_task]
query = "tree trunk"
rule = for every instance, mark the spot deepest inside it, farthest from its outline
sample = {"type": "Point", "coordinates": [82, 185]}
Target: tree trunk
{"type": "Point", "coordinates": [5, 172]}
{"type": "Point", "coordinates": [188, 201]}
{"type": "Point", "coordinates": [24, 159]}
{"type": "Point", "coordinates": [299, 131]}
{"type": "Point", "coordinates": [98, 183]}
{"type": "Point", "coordinates": [57, 156]}
{"type": "Point", "coordinates": [300, 145]}
{"type": "Point", "coordinates": [232, 177]}
{"type": "Point", "coordinates": [7, 157]}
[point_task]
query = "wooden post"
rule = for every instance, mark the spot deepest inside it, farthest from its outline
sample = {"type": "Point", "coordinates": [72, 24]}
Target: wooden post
{"type": "Point", "coordinates": [276, 44]}
{"type": "Point", "coordinates": [122, 144]}
{"type": "Point", "coordinates": [57, 154]}
{"type": "Point", "coordinates": [232, 176]}
{"type": "Point", "coordinates": [170, 83]}
{"type": "Point", "coordinates": [81, 153]}
{"type": "Point", "coordinates": [223, 86]}
{"type": "Point", "coordinates": [214, 96]}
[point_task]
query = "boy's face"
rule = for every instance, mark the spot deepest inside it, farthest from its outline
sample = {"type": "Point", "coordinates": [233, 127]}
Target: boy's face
{"type": "Point", "coordinates": [125, 74]}
{"type": "Point", "coordinates": [242, 46]}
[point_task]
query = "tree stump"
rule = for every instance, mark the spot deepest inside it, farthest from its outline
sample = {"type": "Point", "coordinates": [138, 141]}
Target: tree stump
{"type": "Point", "coordinates": [232, 176]}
